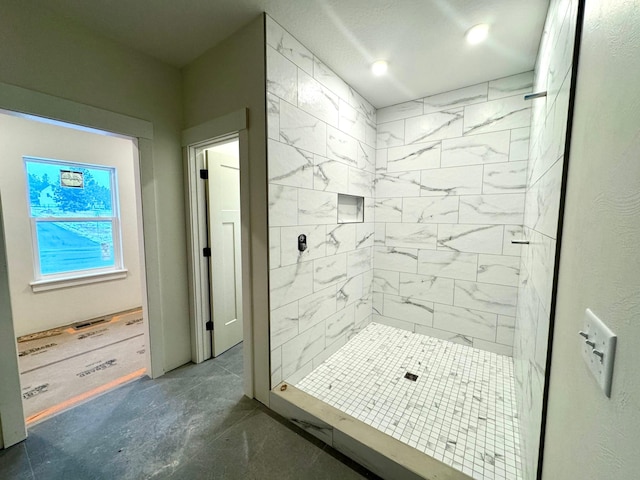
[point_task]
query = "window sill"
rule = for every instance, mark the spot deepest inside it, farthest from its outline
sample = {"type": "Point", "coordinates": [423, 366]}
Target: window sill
{"type": "Point", "coordinates": [86, 279]}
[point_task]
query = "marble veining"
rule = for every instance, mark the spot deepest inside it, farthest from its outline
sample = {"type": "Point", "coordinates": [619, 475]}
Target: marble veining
{"type": "Point", "coordinates": [290, 283]}
{"type": "Point", "coordinates": [286, 45]}
{"type": "Point", "coordinates": [273, 116]}
{"type": "Point", "coordinates": [408, 307]}
{"type": "Point", "coordinates": [316, 207]}
{"type": "Point", "coordinates": [299, 129]}
{"type": "Point", "coordinates": [509, 86]}
{"type": "Point", "coordinates": [358, 261]}
{"type": "Point", "coordinates": [316, 307]}
{"type": "Point", "coordinates": [510, 177]}
{"type": "Point", "coordinates": [501, 114]}
{"type": "Point", "coordinates": [471, 238]}
{"type": "Point", "coordinates": [452, 181]}
{"type": "Point", "coordinates": [352, 122]}
{"type": "Point", "coordinates": [486, 297]}
{"type": "Point", "coordinates": [388, 210]}
{"type": "Point", "coordinates": [492, 147]}
{"type": "Point", "coordinates": [460, 410]}
{"type": "Point", "coordinates": [405, 184]}
{"type": "Point", "coordinates": [456, 98]}
{"type": "Point", "coordinates": [329, 79]}
{"type": "Point", "coordinates": [496, 209]}
{"type": "Point", "coordinates": [340, 324]}
{"type": "Point", "coordinates": [366, 157]}
{"type": "Point", "coordinates": [400, 111]}
{"type": "Point", "coordinates": [290, 165]}
{"type": "Point", "coordinates": [349, 292]}
{"type": "Point", "coordinates": [427, 287]}
{"type": "Point", "coordinates": [317, 100]}
{"type": "Point", "coordinates": [386, 281]}
{"type": "Point", "coordinates": [434, 126]}
{"type": "Point", "coordinates": [416, 157]}
{"type": "Point", "coordinates": [412, 235]}
{"type": "Point", "coordinates": [284, 324]}
{"type": "Point", "coordinates": [473, 323]}
{"type": "Point", "coordinates": [390, 134]}
{"type": "Point", "coordinates": [341, 238]}
{"type": "Point", "coordinates": [300, 350]}
{"type": "Point", "coordinates": [519, 147]}
{"type": "Point", "coordinates": [398, 259]}
{"type": "Point", "coordinates": [283, 205]}
{"type": "Point", "coordinates": [322, 143]}
{"type": "Point", "coordinates": [360, 183]}
{"type": "Point", "coordinates": [329, 270]}
{"type": "Point", "coordinates": [341, 147]}
{"type": "Point", "coordinates": [281, 77]}
{"type": "Point", "coordinates": [457, 265]}
{"type": "Point", "coordinates": [443, 209]}
{"type": "Point", "coordinates": [330, 175]}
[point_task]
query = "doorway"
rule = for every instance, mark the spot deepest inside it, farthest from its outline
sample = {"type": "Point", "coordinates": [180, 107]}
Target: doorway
{"type": "Point", "coordinates": [74, 244]}
{"type": "Point", "coordinates": [216, 243]}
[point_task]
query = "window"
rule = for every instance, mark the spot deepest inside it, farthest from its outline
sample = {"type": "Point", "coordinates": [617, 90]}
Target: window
{"type": "Point", "coordinates": [74, 219]}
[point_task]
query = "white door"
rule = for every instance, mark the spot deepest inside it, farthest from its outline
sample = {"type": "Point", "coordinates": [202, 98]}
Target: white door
{"type": "Point", "coordinates": [223, 197]}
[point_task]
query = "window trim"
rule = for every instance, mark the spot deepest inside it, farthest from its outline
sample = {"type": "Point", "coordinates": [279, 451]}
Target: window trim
{"type": "Point", "coordinates": [52, 281]}
{"type": "Point", "coordinates": [77, 280]}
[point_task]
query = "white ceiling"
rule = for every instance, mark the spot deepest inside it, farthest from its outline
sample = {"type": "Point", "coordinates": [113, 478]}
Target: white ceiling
{"type": "Point", "coordinates": [423, 40]}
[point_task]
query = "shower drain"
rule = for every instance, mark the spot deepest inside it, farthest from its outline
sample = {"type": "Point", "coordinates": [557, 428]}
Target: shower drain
{"type": "Point", "coordinates": [411, 376]}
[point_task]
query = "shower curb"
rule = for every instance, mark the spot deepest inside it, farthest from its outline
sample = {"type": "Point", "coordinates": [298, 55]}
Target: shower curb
{"type": "Point", "coordinates": [377, 451]}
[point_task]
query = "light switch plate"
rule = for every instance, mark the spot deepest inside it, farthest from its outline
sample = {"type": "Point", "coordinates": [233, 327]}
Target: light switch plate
{"type": "Point", "coordinates": [604, 342]}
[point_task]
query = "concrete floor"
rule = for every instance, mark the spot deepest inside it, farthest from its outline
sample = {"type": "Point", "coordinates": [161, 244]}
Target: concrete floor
{"type": "Point", "coordinates": [192, 423]}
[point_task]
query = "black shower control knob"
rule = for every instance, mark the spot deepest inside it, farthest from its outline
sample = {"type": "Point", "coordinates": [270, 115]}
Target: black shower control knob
{"type": "Point", "coordinates": [302, 242]}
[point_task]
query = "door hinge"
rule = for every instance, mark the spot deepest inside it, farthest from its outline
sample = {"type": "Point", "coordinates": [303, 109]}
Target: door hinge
{"type": "Point", "coordinates": [209, 325]}
{"type": "Point", "coordinates": [206, 252]}
{"type": "Point", "coordinates": [204, 174]}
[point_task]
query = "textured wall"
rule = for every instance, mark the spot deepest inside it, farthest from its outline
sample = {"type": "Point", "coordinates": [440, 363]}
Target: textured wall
{"type": "Point", "coordinates": [321, 143]}
{"type": "Point", "coordinates": [450, 179]}
{"type": "Point", "coordinates": [590, 436]}
{"type": "Point", "coordinates": [544, 176]}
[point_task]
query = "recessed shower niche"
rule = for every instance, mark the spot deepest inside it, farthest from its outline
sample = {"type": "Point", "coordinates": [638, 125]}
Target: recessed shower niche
{"type": "Point", "coordinates": [350, 209]}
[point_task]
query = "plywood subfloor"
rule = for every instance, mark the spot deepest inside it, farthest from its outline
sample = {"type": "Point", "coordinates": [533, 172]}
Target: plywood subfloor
{"type": "Point", "coordinates": [64, 366]}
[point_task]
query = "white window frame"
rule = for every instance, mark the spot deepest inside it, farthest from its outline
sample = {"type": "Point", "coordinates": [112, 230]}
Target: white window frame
{"type": "Point", "coordinates": [44, 282]}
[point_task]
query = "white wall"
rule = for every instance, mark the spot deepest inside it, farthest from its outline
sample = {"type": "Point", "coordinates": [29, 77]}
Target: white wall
{"type": "Point", "coordinates": [321, 143]}
{"type": "Point", "coordinates": [590, 436]}
{"type": "Point", "coordinates": [12, 427]}
{"type": "Point", "coordinates": [35, 312]}
{"type": "Point", "coordinates": [542, 203]}
{"type": "Point", "coordinates": [450, 179]}
{"type": "Point", "coordinates": [43, 52]}
{"type": "Point", "coordinates": [226, 78]}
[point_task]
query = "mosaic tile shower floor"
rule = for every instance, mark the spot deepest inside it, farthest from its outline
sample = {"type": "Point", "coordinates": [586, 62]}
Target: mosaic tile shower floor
{"type": "Point", "coordinates": [460, 410]}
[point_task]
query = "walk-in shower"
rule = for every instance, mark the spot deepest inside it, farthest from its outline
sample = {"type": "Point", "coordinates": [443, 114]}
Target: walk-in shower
{"type": "Point", "coordinates": [426, 317]}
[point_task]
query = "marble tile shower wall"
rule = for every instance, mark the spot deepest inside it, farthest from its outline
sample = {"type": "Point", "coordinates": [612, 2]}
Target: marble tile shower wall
{"type": "Point", "coordinates": [542, 199]}
{"type": "Point", "coordinates": [449, 197]}
{"type": "Point", "coordinates": [321, 142]}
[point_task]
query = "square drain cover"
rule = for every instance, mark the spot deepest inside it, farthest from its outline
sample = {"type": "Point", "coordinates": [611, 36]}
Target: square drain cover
{"type": "Point", "coordinates": [411, 376]}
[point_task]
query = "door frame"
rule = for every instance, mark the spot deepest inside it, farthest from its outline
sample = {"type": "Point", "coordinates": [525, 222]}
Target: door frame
{"type": "Point", "coordinates": [230, 126]}
{"type": "Point", "coordinates": [196, 214]}
{"type": "Point", "coordinates": [30, 102]}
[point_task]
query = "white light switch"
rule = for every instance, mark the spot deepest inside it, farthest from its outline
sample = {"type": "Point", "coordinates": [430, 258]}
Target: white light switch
{"type": "Point", "coordinates": [598, 350]}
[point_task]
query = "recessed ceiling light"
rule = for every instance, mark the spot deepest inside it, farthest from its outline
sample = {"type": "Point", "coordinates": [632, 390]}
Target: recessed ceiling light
{"type": "Point", "coordinates": [379, 68]}
{"type": "Point", "coordinates": [477, 34]}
